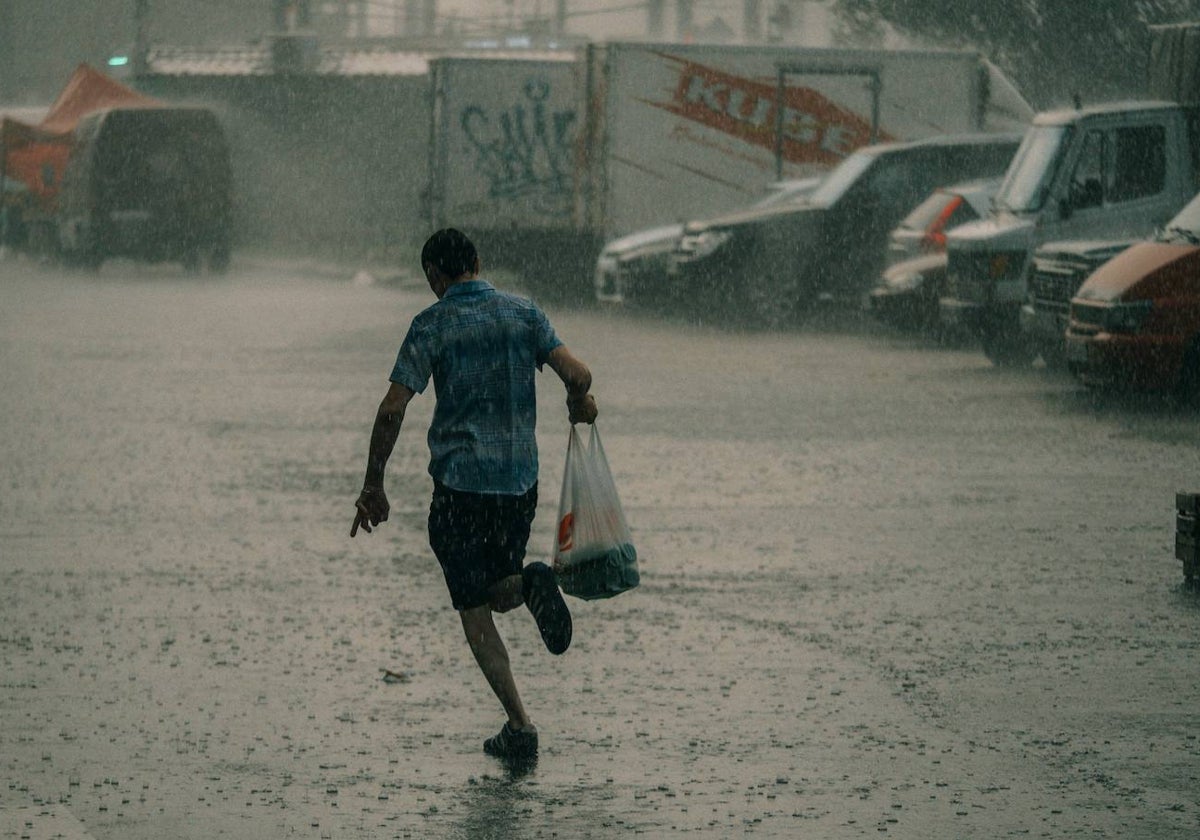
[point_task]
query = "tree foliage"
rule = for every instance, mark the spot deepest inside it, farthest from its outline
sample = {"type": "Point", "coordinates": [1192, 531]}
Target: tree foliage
{"type": "Point", "coordinates": [1052, 49]}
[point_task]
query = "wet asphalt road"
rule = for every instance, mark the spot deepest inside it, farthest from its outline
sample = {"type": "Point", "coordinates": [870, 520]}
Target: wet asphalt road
{"type": "Point", "coordinates": [887, 588]}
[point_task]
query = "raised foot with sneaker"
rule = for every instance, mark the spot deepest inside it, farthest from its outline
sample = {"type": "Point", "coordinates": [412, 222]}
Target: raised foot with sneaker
{"type": "Point", "coordinates": [540, 589]}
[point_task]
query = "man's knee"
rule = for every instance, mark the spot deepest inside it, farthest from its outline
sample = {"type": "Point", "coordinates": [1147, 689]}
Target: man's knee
{"type": "Point", "coordinates": [506, 595]}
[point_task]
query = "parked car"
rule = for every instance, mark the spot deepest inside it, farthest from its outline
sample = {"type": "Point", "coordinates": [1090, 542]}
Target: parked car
{"type": "Point", "coordinates": [771, 263]}
{"type": "Point", "coordinates": [1056, 274]}
{"type": "Point", "coordinates": [1136, 321]}
{"type": "Point", "coordinates": [907, 294]}
{"type": "Point", "coordinates": [633, 268]}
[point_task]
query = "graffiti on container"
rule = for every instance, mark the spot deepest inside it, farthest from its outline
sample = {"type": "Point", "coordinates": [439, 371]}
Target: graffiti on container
{"type": "Point", "coordinates": [526, 151]}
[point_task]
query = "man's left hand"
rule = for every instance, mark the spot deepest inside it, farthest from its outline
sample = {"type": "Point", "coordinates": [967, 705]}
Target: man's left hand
{"type": "Point", "coordinates": [372, 508]}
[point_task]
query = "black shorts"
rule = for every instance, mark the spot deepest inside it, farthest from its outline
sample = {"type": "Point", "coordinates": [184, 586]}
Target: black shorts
{"type": "Point", "coordinates": [479, 539]}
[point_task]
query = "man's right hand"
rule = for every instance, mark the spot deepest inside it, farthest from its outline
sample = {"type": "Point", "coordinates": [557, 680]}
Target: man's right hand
{"type": "Point", "coordinates": [371, 508]}
{"type": "Point", "coordinates": [582, 409]}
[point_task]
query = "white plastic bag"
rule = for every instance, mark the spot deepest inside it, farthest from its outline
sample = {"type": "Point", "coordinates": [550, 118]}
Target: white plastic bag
{"type": "Point", "coordinates": [594, 555]}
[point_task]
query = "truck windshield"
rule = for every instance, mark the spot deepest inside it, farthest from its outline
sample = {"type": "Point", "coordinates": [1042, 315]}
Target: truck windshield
{"type": "Point", "coordinates": [1027, 183]}
{"type": "Point", "coordinates": [841, 178]}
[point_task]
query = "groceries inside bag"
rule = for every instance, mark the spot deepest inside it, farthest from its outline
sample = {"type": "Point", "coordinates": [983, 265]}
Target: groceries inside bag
{"type": "Point", "coordinates": [594, 555]}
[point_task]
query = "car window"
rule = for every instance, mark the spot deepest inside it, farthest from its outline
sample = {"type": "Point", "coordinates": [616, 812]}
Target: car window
{"type": "Point", "coordinates": [1086, 188]}
{"type": "Point", "coordinates": [844, 177]}
{"type": "Point", "coordinates": [899, 181]}
{"type": "Point", "coordinates": [1136, 164]}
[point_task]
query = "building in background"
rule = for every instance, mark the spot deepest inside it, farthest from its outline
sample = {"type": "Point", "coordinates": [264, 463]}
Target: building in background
{"type": "Point", "coordinates": [42, 41]}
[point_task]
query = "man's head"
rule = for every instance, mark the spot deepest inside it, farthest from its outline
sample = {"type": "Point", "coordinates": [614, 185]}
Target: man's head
{"type": "Point", "coordinates": [448, 256]}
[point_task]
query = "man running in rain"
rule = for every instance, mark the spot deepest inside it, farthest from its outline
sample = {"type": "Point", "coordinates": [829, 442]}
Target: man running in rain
{"type": "Point", "coordinates": [482, 347]}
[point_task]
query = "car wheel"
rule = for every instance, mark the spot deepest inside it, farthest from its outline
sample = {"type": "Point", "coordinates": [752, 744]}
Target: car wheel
{"type": "Point", "coordinates": [1005, 346]}
{"type": "Point", "coordinates": [774, 305]}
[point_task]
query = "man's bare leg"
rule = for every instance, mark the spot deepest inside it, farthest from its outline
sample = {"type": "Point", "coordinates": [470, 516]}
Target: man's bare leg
{"type": "Point", "coordinates": [492, 657]}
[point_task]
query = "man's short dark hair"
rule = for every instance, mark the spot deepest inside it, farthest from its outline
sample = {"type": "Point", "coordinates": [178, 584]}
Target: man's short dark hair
{"type": "Point", "coordinates": [451, 252]}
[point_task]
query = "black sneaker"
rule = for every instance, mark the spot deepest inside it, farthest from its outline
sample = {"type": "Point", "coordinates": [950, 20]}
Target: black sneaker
{"type": "Point", "coordinates": [513, 744]}
{"type": "Point", "coordinates": [540, 590]}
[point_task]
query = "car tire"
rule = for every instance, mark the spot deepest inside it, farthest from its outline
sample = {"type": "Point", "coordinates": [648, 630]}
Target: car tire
{"type": "Point", "coordinates": [1006, 347]}
{"type": "Point", "coordinates": [776, 305]}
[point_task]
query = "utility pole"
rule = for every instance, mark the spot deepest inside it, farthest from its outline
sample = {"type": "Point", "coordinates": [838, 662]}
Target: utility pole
{"type": "Point", "coordinates": [141, 11]}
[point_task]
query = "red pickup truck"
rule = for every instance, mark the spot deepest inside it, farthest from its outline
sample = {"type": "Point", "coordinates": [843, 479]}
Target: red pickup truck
{"type": "Point", "coordinates": [1136, 320]}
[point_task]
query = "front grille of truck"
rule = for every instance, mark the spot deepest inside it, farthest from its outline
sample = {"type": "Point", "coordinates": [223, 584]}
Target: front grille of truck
{"type": "Point", "coordinates": [966, 276]}
{"type": "Point", "coordinates": [972, 275]}
{"type": "Point", "coordinates": [1052, 284]}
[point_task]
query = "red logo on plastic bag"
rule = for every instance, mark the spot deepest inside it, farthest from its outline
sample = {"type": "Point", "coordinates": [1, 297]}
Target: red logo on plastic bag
{"type": "Point", "coordinates": [566, 531]}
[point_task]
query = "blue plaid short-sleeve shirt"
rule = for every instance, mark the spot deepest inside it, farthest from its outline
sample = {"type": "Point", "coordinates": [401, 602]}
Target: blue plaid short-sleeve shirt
{"type": "Point", "coordinates": [482, 347]}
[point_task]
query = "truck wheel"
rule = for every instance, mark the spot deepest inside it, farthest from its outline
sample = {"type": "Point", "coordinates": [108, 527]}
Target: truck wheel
{"type": "Point", "coordinates": [1006, 347]}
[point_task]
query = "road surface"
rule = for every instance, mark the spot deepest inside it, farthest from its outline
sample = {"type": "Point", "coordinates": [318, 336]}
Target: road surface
{"type": "Point", "coordinates": [887, 588]}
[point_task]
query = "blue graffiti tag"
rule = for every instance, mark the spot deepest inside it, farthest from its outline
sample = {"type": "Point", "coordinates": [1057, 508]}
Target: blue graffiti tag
{"type": "Point", "coordinates": [524, 151]}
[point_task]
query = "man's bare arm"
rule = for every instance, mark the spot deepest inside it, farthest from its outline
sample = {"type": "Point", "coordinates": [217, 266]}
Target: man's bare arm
{"type": "Point", "coordinates": [372, 505]}
{"type": "Point", "coordinates": [578, 381]}
{"type": "Point", "coordinates": [388, 420]}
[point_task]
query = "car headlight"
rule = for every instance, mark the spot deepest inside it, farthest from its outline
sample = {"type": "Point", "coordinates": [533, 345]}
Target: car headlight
{"type": "Point", "coordinates": [1127, 317]}
{"type": "Point", "coordinates": [703, 244]}
{"type": "Point", "coordinates": [905, 281]}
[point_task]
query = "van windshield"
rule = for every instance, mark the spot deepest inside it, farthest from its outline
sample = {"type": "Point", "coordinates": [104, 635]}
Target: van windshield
{"type": "Point", "coordinates": [1031, 174]}
{"type": "Point", "coordinates": [841, 178]}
